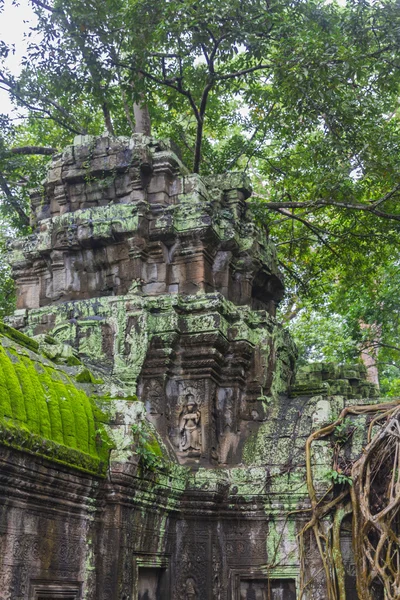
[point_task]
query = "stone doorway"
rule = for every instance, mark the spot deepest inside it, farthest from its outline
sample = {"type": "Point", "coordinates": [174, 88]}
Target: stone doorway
{"type": "Point", "coordinates": [152, 577]}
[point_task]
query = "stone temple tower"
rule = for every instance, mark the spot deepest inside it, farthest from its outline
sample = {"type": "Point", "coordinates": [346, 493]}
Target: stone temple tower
{"type": "Point", "coordinates": [163, 283]}
{"type": "Point", "coordinates": [154, 292]}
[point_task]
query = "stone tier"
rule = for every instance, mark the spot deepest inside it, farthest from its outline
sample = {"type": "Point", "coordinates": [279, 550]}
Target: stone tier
{"type": "Point", "coordinates": [229, 360]}
{"type": "Point", "coordinates": [121, 215]}
{"type": "Point", "coordinates": [327, 379]}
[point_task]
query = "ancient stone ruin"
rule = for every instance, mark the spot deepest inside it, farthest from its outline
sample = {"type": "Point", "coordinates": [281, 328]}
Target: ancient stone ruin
{"type": "Point", "coordinates": [152, 433]}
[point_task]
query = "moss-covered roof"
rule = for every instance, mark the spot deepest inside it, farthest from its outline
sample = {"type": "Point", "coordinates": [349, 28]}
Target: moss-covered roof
{"type": "Point", "coordinates": [42, 411]}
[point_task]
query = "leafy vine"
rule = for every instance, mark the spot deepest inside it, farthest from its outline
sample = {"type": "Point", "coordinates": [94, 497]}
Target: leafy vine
{"type": "Point", "coordinates": [147, 448]}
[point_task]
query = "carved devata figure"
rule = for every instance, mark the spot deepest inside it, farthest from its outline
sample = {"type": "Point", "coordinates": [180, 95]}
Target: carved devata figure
{"type": "Point", "coordinates": [190, 589]}
{"type": "Point", "coordinates": [189, 426]}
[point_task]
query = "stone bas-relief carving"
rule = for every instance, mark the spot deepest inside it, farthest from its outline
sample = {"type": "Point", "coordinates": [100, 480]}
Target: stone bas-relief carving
{"type": "Point", "coordinates": [322, 414]}
{"type": "Point", "coordinates": [191, 592]}
{"type": "Point", "coordinates": [189, 427]}
{"type": "Point", "coordinates": [164, 290]}
{"type": "Point", "coordinates": [153, 397]}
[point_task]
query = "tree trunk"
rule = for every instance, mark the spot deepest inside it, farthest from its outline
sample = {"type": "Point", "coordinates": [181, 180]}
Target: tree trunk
{"type": "Point", "coordinates": [199, 140]}
{"type": "Point", "coordinates": [369, 351]}
{"type": "Point", "coordinates": [107, 119]}
{"type": "Point", "coordinates": [142, 118]}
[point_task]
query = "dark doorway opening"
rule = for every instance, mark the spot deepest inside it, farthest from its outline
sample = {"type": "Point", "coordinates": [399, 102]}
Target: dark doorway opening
{"type": "Point", "coordinates": [152, 584]}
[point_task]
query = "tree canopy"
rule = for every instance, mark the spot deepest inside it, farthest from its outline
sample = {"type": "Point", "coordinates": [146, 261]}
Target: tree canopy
{"type": "Point", "coordinates": [303, 94]}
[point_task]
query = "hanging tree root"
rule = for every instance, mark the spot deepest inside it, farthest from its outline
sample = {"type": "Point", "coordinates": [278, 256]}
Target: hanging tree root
{"type": "Point", "coordinates": [372, 495]}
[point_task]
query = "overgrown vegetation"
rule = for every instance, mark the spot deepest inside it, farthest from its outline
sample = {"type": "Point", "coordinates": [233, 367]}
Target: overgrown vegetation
{"type": "Point", "coordinates": [147, 448]}
{"type": "Point", "coordinates": [368, 489]}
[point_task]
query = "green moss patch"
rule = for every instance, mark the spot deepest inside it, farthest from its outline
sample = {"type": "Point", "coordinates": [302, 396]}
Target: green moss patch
{"type": "Point", "coordinates": [43, 412]}
{"type": "Point", "coordinates": [18, 337]}
{"type": "Point", "coordinates": [26, 441]}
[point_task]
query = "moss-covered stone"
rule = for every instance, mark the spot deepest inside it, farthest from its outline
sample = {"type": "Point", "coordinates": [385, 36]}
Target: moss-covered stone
{"type": "Point", "coordinates": [329, 379]}
{"type": "Point", "coordinates": [43, 411]}
{"type": "Point", "coordinates": [18, 337]}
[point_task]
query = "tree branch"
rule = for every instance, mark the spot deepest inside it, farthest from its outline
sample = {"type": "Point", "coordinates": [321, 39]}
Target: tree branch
{"type": "Point", "coordinates": [43, 5]}
{"type": "Point", "coordinates": [309, 226]}
{"type": "Point", "coordinates": [294, 275]}
{"type": "Point", "coordinates": [387, 196]}
{"type": "Point", "coordinates": [242, 72]}
{"type": "Point", "coordinates": [215, 49]}
{"type": "Point", "coordinates": [170, 83]}
{"type": "Point", "coordinates": [377, 344]}
{"type": "Point", "coordinates": [200, 125]}
{"type": "Point", "coordinates": [10, 88]}
{"type": "Point", "coordinates": [27, 150]}
{"type": "Point", "coordinates": [12, 200]}
{"type": "Point", "coordinates": [371, 208]}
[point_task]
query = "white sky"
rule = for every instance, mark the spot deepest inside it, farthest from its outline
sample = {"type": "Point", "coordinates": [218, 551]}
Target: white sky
{"type": "Point", "coordinates": [14, 22]}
